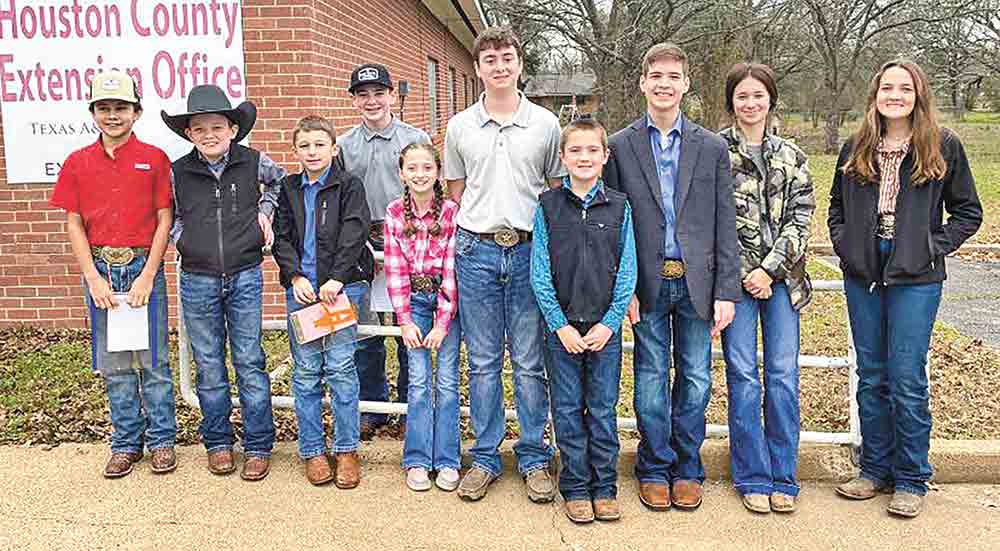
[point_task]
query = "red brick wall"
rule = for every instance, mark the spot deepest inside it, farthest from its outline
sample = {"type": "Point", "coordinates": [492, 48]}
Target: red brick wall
{"type": "Point", "coordinates": [299, 55]}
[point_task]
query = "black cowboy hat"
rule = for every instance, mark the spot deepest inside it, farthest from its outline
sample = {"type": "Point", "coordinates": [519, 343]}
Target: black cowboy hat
{"type": "Point", "coordinates": [206, 99]}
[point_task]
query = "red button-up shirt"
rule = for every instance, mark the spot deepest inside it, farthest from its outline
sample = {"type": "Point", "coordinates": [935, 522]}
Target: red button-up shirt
{"type": "Point", "coordinates": [116, 197]}
{"type": "Point", "coordinates": [421, 254]}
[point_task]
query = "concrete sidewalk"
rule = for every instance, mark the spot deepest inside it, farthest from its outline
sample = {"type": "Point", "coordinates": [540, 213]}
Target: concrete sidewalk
{"type": "Point", "coordinates": [57, 500]}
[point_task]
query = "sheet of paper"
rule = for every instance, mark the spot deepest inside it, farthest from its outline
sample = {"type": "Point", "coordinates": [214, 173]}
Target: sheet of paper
{"type": "Point", "coordinates": [128, 328]}
{"type": "Point", "coordinates": [380, 294]}
{"type": "Point", "coordinates": [319, 320]}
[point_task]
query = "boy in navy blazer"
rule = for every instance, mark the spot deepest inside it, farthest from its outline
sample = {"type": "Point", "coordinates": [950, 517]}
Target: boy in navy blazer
{"type": "Point", "coordinates": [677, 177]}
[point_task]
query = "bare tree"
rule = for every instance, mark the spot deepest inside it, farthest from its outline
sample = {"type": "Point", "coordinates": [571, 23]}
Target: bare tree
{"type": "Point", "coordinates": [984, 32]}
{"type": "Point", "coordinates": [952, 60]}
{"type": "Point", "coordinates": [842, 31]}
{"type": "Point", "coordinates": [611, 37]}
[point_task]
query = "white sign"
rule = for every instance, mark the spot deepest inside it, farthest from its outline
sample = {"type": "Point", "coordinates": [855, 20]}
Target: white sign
{"type": "Point", "coordinates": [50, 50]}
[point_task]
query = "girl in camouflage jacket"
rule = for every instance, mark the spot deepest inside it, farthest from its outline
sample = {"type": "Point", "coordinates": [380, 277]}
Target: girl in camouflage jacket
{"type": "Point", "coordinates": [774, 200]}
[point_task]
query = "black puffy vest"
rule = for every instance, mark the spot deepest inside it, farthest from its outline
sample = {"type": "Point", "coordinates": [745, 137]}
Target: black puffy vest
{"type": "Point", "coordinates": [584, 250]}
{"type": "Point", "coordinates": [221, 235]}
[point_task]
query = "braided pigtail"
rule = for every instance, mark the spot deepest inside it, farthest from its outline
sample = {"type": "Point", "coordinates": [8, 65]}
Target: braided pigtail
{"type": "Point", "coordinates": [409, 229]}
{"type": "Point", "coordinates": [438, 203]}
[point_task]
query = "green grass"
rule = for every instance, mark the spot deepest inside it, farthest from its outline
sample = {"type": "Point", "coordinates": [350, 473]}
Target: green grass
{"type": "Point", "coordinates": [982, 117]}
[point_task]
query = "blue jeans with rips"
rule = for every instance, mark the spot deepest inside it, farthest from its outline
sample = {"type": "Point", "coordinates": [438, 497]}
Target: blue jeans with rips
{"type": "Point", "coordinates": [891, 326]}
{"type": "Point", "coordinates": [229, 308]}
{"type": "Point", "coordinates": [671, 420]}
{"type": "Point", "coordinates": [584, 400]}
{"type": "Point", "coordinates": [763, 456]}
{"type": "Point", "coordinates": [143, 410]}
{"type": "Point", "coordinates": [370, 359]}
{"type": "Point", "coordinates": [432, 433]}
{"type": "Point", "coordinates": [328, 360]}
{"type": "Point", "coordinates": [497, 307]}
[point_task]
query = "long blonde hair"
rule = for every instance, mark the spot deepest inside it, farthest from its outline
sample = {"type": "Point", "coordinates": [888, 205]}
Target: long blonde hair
{"type": "Point", "coordinates": [928, 164]}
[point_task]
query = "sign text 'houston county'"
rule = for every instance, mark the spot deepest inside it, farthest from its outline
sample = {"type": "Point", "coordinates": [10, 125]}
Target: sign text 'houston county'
{"type": "Point", "coordinates": [172, 73]}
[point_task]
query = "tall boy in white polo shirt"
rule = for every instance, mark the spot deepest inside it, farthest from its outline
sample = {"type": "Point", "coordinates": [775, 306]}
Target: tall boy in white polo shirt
{"type": "Point", "coordinates": [500, 155]}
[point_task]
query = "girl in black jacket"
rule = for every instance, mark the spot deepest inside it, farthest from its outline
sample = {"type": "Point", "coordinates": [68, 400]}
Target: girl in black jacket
{"type": "Point", "coordinates": [894, 177]}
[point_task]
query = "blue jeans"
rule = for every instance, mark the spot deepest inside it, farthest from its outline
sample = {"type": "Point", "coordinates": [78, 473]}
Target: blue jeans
{"type": "Point", "coordinates": [370, 359]}
{"type": "Point", "coordinates": [327, 360]}
{"type": "Point", "coordinates": [764, 456]}
{"type": "Point", "coordinates": [584, 398]}
{"type": "Point", "coordinates": [671, 420]}
{"type": "Point", "coordinates": [892, 334]}
{"type": "Point", "coordinates": [432, 435]}
{"type": "Point", "coordinates": [218, 308]}
{"type": "Point", "coordinates": [498, 307]}
{"type": "Point", "coordinates": [143, 411]}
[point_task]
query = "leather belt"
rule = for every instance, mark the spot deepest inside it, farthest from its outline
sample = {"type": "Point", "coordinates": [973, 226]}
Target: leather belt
{"type": "Point", "coordinates": [886, 226]}
{"type": "Point", "coordinates": [425, 283]}
{"type": "Point", "coordinates": [506, 237]}
{"type": "Point", "coordinates": [118, 256]}
{"type": "Point", "coordinates": [672, 269]}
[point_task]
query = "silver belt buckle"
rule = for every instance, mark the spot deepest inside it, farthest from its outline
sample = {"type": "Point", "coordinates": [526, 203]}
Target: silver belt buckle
{"type": "Point", "coordinates": [886, 226]}
{"type": "Point", "coordinates": [506, 238]}
{"type": "Point", "coordinates": [117, 256]}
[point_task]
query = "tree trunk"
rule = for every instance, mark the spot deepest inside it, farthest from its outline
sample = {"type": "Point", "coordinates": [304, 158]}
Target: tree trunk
{"type": "Point", "coordinates": [958, 104]}
{"type": "Point", "coordinates": [831, 129]}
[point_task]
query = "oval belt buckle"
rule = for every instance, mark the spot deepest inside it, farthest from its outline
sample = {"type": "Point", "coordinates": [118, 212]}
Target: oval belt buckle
{"type": "Point", "coordinates": [672, 269]}
{"type": "Point", "coordinates": [117, 256]}
{"type": "Point", "coordinates": [506, 238]}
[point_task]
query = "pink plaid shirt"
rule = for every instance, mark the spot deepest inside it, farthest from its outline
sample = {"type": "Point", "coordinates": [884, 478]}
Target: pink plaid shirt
{"type": "Point", "coordinates": [421, 254]}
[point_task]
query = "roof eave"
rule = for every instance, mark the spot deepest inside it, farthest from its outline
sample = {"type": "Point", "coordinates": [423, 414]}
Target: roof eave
{"type": "Point", "coordinates": [464, 19]}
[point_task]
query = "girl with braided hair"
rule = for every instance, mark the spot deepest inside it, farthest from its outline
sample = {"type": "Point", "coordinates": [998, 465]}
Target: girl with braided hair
{"type": "Point", "coordinates": [419, 236]}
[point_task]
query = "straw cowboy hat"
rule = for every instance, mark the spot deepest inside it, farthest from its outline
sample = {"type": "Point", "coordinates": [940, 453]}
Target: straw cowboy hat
{"type": "Point", "coordinates": [207, 99]}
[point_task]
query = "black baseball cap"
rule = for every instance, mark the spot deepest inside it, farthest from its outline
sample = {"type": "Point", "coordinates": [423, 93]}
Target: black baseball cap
{"type": "Point", "coordinates": [370, 73]}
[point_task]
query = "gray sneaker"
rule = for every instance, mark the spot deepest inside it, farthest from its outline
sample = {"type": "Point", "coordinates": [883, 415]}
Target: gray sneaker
{"type": "Point", "coordinates": [475, 484]}
{"type": "Point", "coordinates": [860, 488]}
{"type": "Point", "coordinates": [905, 504]}
{"type": "Point", "coordinates": [541, 489]}
{"type": "Point", "coordinates": [417, 480]}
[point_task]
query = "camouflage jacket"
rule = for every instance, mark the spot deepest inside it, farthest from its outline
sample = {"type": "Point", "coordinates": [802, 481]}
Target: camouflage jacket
{"type": "Point", "coordinates": [773, 235]}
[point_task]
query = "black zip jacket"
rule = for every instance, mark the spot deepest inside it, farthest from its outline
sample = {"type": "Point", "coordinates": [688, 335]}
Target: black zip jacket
{"type": "Point", "coordinates": [584, 249]}
{"type": "Point", "coordinates": [922, 237]}
{"type": "Point", "coordinates": [342, 221]}
{"type": "Point", "coordinates": [221, 234]}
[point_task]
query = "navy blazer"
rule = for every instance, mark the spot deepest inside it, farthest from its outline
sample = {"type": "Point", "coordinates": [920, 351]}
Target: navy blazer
{"type": "Point", "coordinates": [706, 214]}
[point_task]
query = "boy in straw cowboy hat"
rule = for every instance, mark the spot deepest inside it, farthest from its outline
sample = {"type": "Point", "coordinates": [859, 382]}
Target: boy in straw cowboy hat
{"type": "Point", "coordinates": [116, 193]}
{"type": "Point", "coordinates": [222, 221]}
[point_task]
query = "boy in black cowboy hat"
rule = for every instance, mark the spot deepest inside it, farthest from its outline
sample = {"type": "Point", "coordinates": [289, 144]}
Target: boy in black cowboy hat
{"type": "Point", "coordinates": [116, 193]}
{"type": "Point", "coordinates": [222, 221]}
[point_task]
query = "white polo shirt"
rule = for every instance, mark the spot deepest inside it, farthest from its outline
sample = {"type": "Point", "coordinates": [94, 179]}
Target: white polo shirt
{"type": "Point", "coordinates": [505, 166]}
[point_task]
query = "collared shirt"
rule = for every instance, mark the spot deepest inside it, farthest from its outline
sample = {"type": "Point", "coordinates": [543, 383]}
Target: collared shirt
{"type": "Point", "coordinates": [889, 160]}
{"type": "Point", "coordinates": [506, 166]}
{"type": "Point", "coordinates": [310, 191]}
{"type": "Point", "coordinates": [421, 254]}
{"type": "Point", "coordinates": [117, 197]}
{"type": "Point", "coordinates": [541, 269]}
{"type": "Point", "coordinates": [667, 155]}
{"type": "Point", "coordinates": [268, 173]}
{"type": "Point", "coordinates": [373, 156]}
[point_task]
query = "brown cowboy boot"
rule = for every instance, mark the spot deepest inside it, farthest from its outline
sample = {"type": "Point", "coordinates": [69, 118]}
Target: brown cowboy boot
{"type": "Point", "coordinates": [348, 470]}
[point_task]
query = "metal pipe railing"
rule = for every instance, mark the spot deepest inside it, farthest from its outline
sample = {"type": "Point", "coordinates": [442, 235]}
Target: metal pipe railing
{"type": "Point", "coordinates": [853, 437]}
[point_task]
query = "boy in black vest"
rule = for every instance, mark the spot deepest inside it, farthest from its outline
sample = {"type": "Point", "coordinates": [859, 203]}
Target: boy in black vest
{"type": "Point", "coordinates": [222, 220]}
{"type": "Point", "coordinates": [583, 271]}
